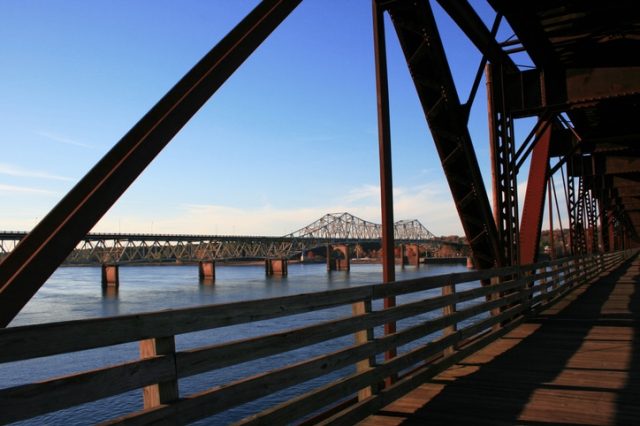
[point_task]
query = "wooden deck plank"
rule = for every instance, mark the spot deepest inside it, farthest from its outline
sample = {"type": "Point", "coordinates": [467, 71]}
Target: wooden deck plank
{"type": "Point", "coordinates": [577, 363]}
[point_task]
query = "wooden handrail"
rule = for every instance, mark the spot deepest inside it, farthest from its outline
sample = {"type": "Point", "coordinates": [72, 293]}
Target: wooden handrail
{"type": "Point", "coordinates": [523, 290]}
{"type": "Point", "coordinates": [24, 342]}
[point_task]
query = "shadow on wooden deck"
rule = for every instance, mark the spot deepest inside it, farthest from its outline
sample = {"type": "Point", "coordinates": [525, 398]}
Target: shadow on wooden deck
{"type": "Point", "coordinates": [577, 363]}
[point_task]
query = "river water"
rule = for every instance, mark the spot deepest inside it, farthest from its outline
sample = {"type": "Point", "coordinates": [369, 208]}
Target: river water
{"type": "Point", "coordinates": [75, 293]}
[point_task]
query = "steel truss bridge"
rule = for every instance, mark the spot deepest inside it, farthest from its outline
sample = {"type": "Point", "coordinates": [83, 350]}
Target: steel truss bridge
{"type": "Point", "coordinates": [335, 228]}
{"type": "Point", "coordinates": [571, 67]}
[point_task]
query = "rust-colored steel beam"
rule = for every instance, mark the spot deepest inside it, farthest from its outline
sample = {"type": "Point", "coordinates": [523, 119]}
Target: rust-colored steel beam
{"type": "Point", "coordinates": [587, 85]}
{"type": "Point", "coordinates": [420, 41]}
{"type": "Point", "coordinates": [604, 228]}
{"type": "Point", "coordinates": [471, 24]}
{"type": "Point", "coordinates": [611, 231]}
{"type": "Point", "coordinates": [503, 165]}
{"type": "Point", "coordinates": [530, 32]}
{"type": "Point", "coordinates": [533, 207]}
{"type": "Point", "coordinates": [533, 92]}
{"type": "Point", "coordinates": [552, 243]}
{"type": "Point", "coordinates": [576, 207]}
{"type": "Point", "coordinates": [480, 72]}
{"type": "Point", "coordinates": [384, 144]}
{"type": "Point", "coordinates": [552, 189]}
{"type": "Point", "coordinates": [538, 46]}
{"type": "Point", "coordinates": [24, 271]}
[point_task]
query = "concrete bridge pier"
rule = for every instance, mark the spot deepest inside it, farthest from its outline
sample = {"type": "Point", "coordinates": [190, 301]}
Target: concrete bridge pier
{"type": "Point", "coordinates": [411, 255]}
{"type": "Point", "coordinates": [399, 255]}
{"type": "Point", "coordinates": [207, 271]}
{"type": "Point", "coordinates": [276, 267]}
{"type": "Point", "coordinates": [338, 258]}
{"type": "Point", "coordinates": [110, 276]}
{"type": "Point", "coordinates": [470, 263]}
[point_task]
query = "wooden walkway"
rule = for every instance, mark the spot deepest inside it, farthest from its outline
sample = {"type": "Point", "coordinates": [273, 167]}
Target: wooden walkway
{"type": "Point", "coordinates": [577, 363]}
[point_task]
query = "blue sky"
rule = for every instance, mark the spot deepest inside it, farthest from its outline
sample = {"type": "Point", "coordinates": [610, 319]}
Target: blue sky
{"type": "Point", "coordinates": [291, 136]}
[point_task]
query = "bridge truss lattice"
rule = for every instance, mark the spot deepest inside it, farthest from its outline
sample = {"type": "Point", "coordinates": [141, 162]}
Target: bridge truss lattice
{"type": "Point", "coordinates": [334, 228]}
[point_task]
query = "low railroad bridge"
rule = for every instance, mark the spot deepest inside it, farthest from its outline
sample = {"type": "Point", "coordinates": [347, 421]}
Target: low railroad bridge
{"type": "Point", "coordinates": [517, 341]}
{"type": "Point", "coordinates": [340, 234]}
{"type": "Point", "coordinates": [331, 229]}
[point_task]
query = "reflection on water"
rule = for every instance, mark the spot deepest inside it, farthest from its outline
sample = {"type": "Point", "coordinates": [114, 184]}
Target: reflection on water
{"type": "Point", "coordinates": [76, 293]}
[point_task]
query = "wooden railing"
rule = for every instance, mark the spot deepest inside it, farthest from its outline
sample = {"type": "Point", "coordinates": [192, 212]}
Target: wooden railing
{"type": "Point", "coordinates": [462, 318]}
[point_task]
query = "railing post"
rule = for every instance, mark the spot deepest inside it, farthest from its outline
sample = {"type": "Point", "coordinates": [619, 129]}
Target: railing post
{"type": "Point", "coordinates": [528, 284]}
{"type": "Point", "coordinates": [586, 268]}
{"type": "Point", "coordinates": [555, 277]}
{"type": "Point", "coordinates": [543, 283]}
{"type": "Point", "coordinates": [163, 392]}
{"type": "Point", "coordinates": [495, 296]}
{"type": "Point", "coordinates": [574, 272]}
{"type": "Point", "coordinates": [579, 266]}
{"type": "Point", "coordinates": [449, 289]}
{"type": "Point", "coordinates": [361, 337]}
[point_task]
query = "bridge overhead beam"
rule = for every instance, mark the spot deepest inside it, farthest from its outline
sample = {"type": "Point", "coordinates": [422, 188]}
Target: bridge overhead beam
{"type": "Point", "coordinates": [24, 271]}
{"type": "Point", "coordinates": [614, 165]}
{"type": "Point", "coordinates": [620, 170]}
{"type": "Point", "coordinates": [533, 91]}
{"type": "Point", "coordinates": [420, 41]}
{"type": "Point", "coordinates": [530, 33]}
{"type": "Point", "coordinates": [474, 28]}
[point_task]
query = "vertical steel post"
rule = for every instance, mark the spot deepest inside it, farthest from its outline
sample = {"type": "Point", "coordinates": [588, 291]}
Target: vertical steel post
{"type": "Point", "coordinates": [611, 231]}
{"type": "Point", "coordinates": [550, 206]}
{"type": "Point", "coordinates": [581, 239]}
{"type": "Point", "coordinates": [604, 222]}
{"type": "Point", "coordinates": [595, 211]}
{"type": "Point", "coordinates": [573, 207]}
{"type": "Point", "coordinates": [384, 143]}
{"type": "Point", "coordinates": [565, 246]}
{"type": "Point", "coordinates": [552, 241]}
{"type": "Point", "coordinates": [505, 185]}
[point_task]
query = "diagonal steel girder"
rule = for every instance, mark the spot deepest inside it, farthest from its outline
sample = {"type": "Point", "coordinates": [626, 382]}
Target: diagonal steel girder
{"type": "Point", "coordinates": [24, 271]}
{"type": "Point", "coordinates": [533, 209]}
{"type": "Point", "coordinates": [424, 52]}
{"type": "Point", "coordinates": [471, 24]}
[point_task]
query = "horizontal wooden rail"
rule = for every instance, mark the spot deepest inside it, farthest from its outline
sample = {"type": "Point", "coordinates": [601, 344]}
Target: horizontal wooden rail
{"type": "Point", "coordinates": [464, 320]}
{"type": "Point", "coordinates": [26, 342]}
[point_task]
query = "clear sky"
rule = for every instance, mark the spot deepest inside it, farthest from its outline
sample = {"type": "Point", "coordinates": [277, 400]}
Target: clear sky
{"type": "Point", "coordinates": [292, 135]}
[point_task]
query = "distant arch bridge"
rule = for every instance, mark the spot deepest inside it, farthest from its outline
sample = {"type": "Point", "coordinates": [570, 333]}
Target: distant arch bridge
{"type": "Point", "coordinates": [333, 228]}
